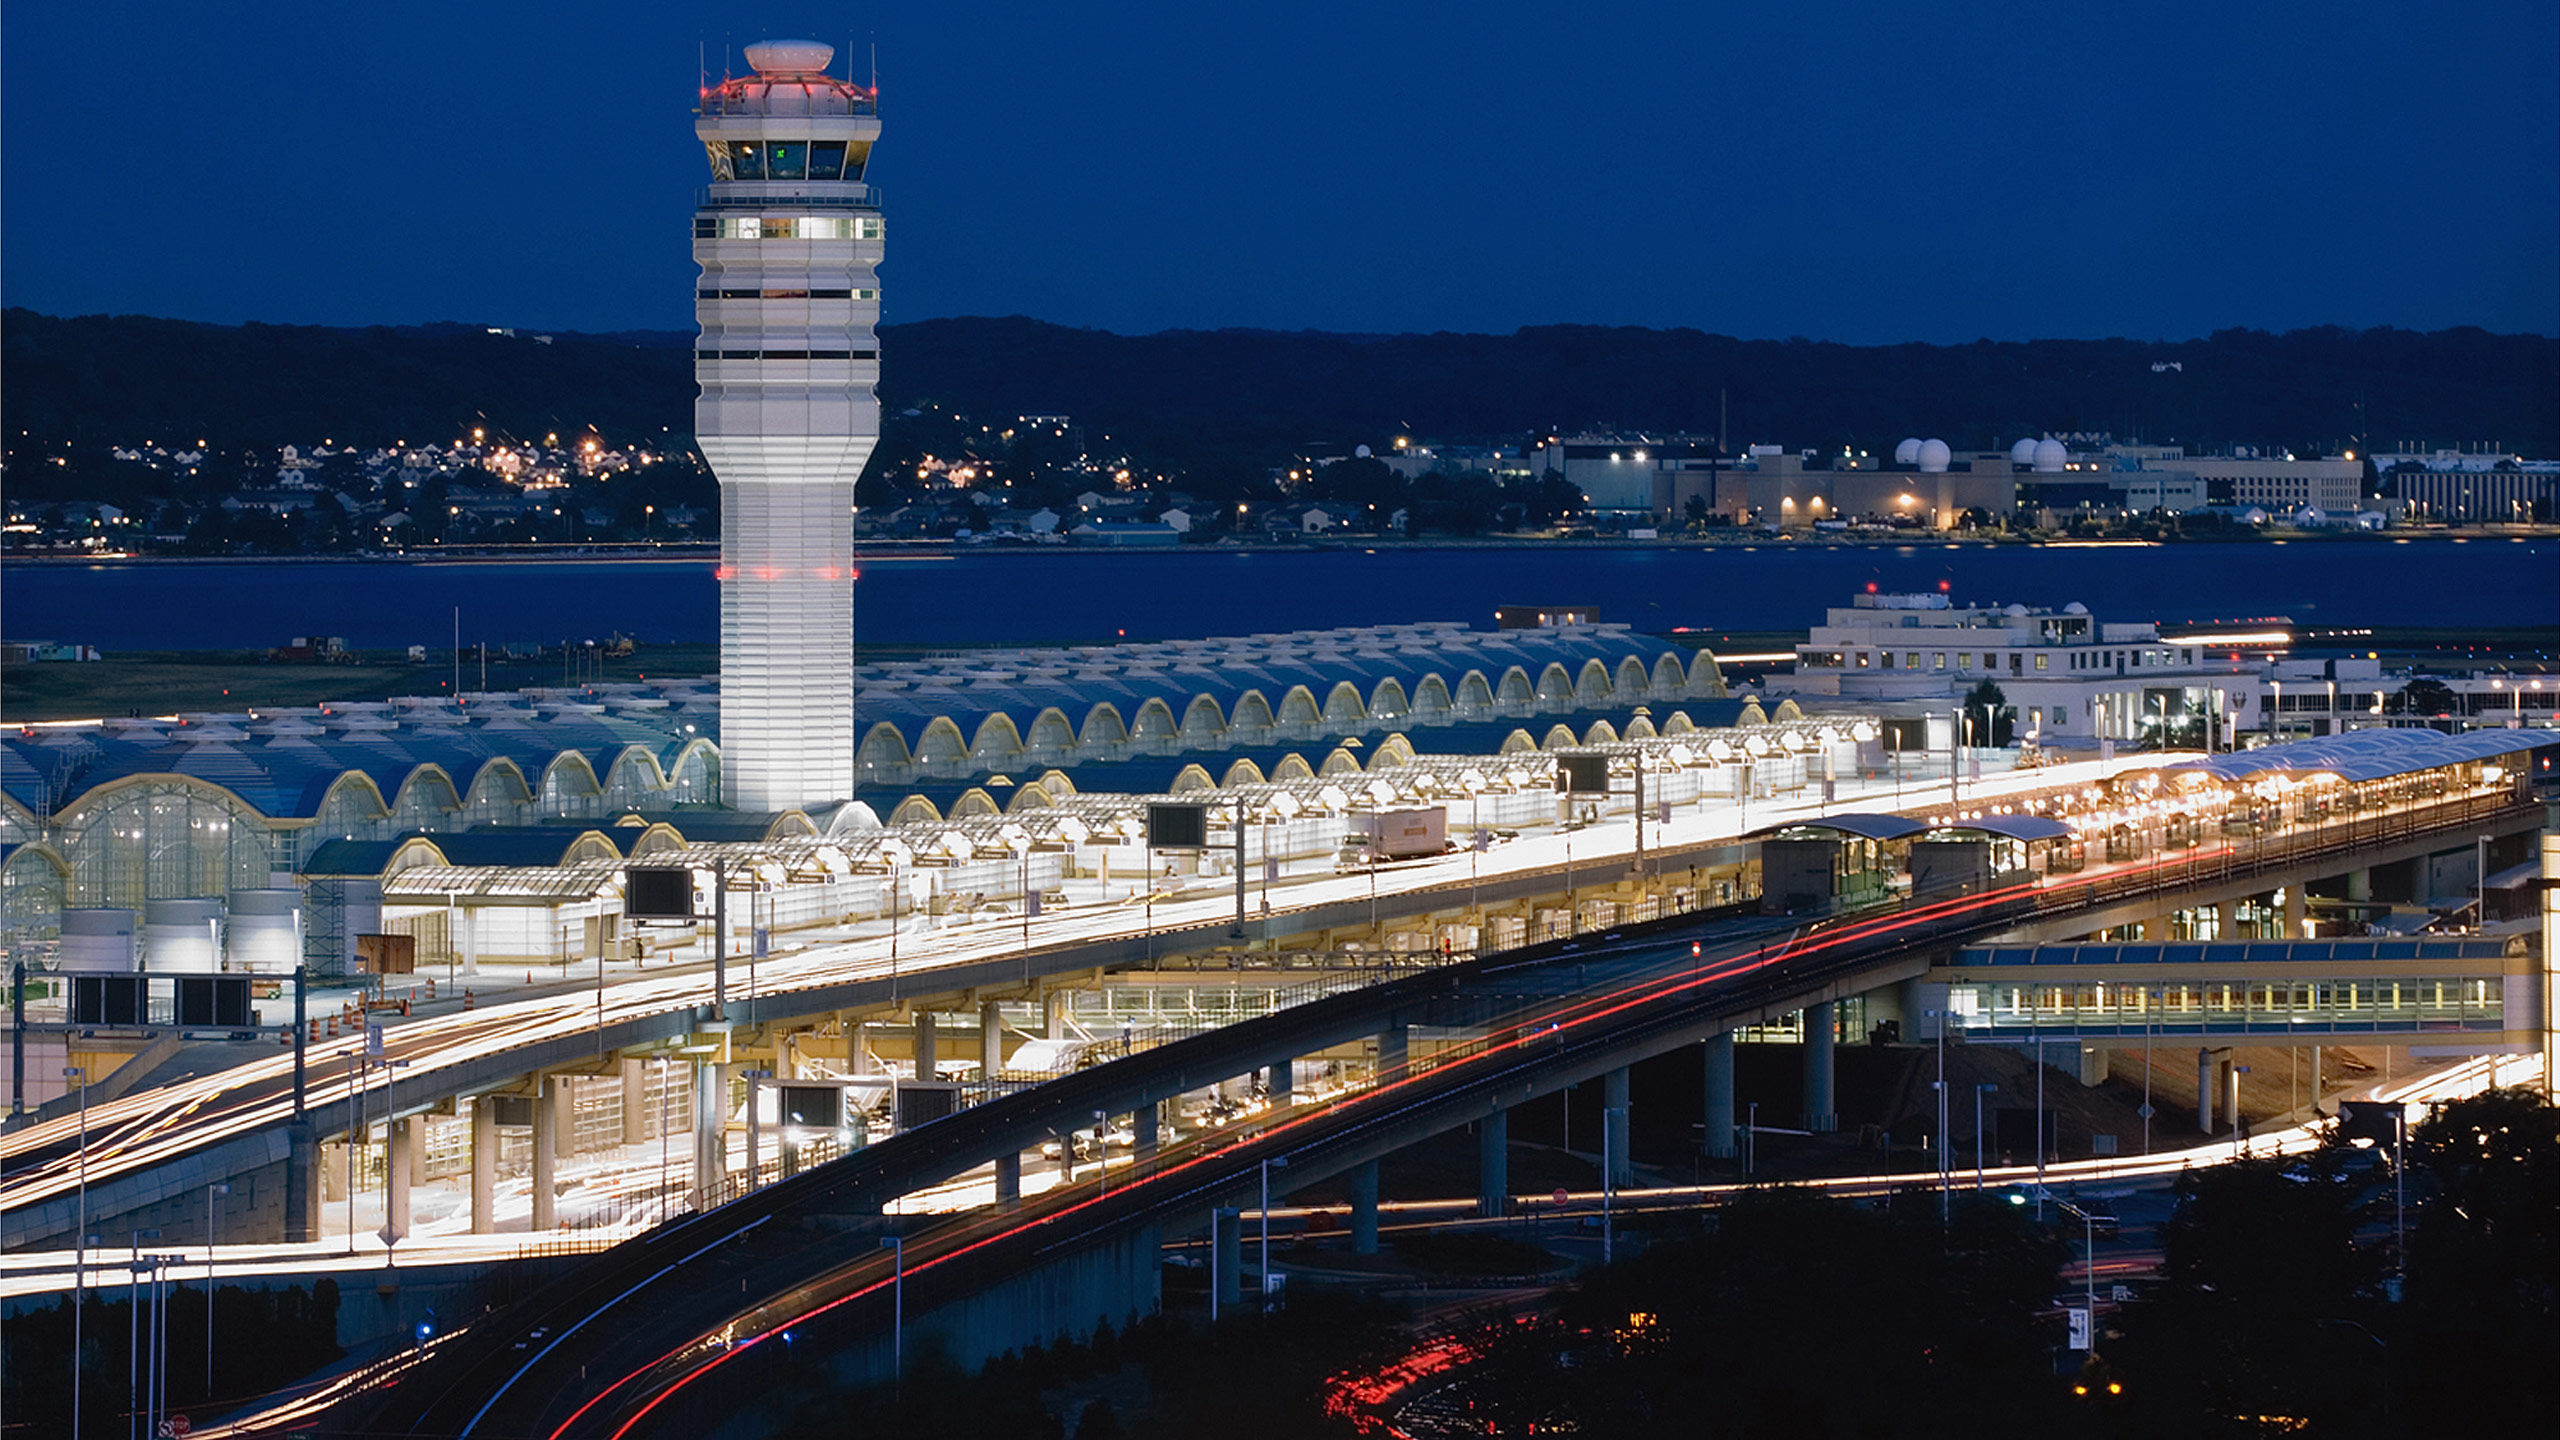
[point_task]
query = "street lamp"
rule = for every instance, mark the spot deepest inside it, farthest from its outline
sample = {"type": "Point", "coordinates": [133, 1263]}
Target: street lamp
{"type": "Point", "coordinates": [1979, 1091]}
{"type": "Point", "coordinates": [133, 1318]}
{"type": "Point", "coordinates": [1610, 1119]}
{"type": "Point", "coordinates": [210, 1218]}
{"type": "Point", "coordinates": [79, 1075]}
{"type": "Point", "coordinates": [1283, 1162]}
{"type": "Point", "coordinates": [898, 1297]}
{"type": "Point", "coordinates": [1940, 1085]}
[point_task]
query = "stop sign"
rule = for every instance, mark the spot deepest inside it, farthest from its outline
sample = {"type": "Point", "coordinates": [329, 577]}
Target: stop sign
{"type": "Point", "coordinates": [1562, 1194]}
{"type": "Point", "coordinates": [176, 1425]}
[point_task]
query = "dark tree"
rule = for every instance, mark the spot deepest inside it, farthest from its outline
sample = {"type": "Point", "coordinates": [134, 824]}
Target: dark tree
{"type": "Point", "coordinates": [2483, 1320]}
{"type": "Point", "coordinates": [1995, 720]}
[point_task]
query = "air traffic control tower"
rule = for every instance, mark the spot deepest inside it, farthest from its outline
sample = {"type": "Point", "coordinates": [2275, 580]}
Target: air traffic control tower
{"type": "Point", "coordinates": [788, 238]}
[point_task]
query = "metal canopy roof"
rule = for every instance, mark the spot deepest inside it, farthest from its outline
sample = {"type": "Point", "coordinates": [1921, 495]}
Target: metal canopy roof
{"type": "Point", "coordinates": [1867, 827]}
{"type": "Point", "coordinates": [2363, 755]}
{"type": "Point", "coordinates": [2014, 827]}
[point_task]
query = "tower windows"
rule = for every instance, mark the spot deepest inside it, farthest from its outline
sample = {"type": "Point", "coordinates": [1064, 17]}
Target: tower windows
{"type": "Point", "coordinates": [709, 294]}
{"type": "Point", "coordinates": [787, 227]}
{"type": "Point", "coordinates": [789, 159]}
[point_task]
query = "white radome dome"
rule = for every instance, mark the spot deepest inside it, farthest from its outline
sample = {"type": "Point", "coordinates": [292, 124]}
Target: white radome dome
{"type": "Point", "coordinates": [790, 57]}
{"type": "Point", "coordinates": [1908, 452]}
{"type": "Point", "coordinates": [2016, 612]}
{"type": "Point", "coordinates": [2024, 452]}
{"type": "Point", "coordinates": [2050, 457]}
{"type": "Point", "coordinates": [1934, 456]}
{"type": "Point", "coordinates": [2075, 608]}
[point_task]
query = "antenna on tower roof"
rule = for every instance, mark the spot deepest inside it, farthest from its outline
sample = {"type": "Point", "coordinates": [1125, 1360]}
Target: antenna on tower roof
{"type": "Point", "coordinates": [875, 77]}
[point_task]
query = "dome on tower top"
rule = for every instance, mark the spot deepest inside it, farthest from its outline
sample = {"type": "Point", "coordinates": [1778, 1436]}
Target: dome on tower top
{"type": "Point", "coordinates": [1908, 452]}
{"type": "Point", "coordinates": [790, 57]}
{"type": "Point", "coordinates": [1934, 456]}
{"type": "Point", "coordinates": [2024, 452]}
{"type": "Point", "coordinates": [2051, 457]}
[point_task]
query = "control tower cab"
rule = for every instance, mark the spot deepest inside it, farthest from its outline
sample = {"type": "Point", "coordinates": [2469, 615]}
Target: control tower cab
{"type": "Point", "coordinates": [788, 235]}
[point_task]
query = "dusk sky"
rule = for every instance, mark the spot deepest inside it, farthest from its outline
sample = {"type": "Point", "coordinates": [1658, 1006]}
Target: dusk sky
{"type": "Point", "coordinates": [1855, 171]}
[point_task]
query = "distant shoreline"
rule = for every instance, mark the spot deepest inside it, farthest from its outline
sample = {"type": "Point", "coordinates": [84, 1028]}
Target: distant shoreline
{"type": "Point", "coordinates": [892, 550]}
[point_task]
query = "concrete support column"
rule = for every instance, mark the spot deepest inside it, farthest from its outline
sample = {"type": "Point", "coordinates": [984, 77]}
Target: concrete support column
{"type": "Point", "coordinates": [333, 1173]}
{"type": "Point", "coordinates": [635, 1102]}
{"type": "Point", "coordinates": [399, 1168]}
{"type": "Point", "coordinates": [2095, 1065]}
{"type": "Point", "coordinates": [1009, 1178]}
{"type": "Point", "coordinates": [1054, 1008]}
{"type": "Point", "coordinates": [1364, 1209]}
{"type": "Point", "coordinates": [2359, 884]}
{"type": "Point", "coordinates": [990, 1040]}
{"type": "Point", "coordinates": [710, 1116]}
{"type": "Point", "coordinates": [926, 1043]}
{"type": "Point", "coordinates": [1719, 1132]}
{"type": "Point", "coordinates": [1146, 1125]}
{"type": "Point", "coordinates": [1493, 1164]}
{"type": "Point", "coordinates": [564, 1114]}
{"type": "Point", "coordinates": [1227, 1237]}
{"type": "Point", "coordinates": [467, 920]}
{"type": "Point", "coordinates": [484, 1165]}
{"type": "Point", "coordinates": [1821, 1108]}
{"type": "Point", "coordinates": [546, 1154]}
{"type": "Point", "coordinates": [2315, 1079]}
{"type": "Point", "coordinates": [2295, 910]}
{"type": "Point", "coordinates": [1393, 1051]}
{"type": "Point", "coordinates": [1613, 1121]}
{"type": "Point", "coordinates": [1277, 1079]}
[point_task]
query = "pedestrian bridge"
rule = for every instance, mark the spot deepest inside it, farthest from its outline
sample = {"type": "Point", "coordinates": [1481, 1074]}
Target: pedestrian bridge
{"type": "Point", "coordinates": [2437, 995]}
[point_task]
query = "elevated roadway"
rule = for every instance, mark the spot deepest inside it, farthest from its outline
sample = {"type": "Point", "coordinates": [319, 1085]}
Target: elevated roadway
{"type": "Point", "coordinates": [149, 1148]}
{"type": "Point", "coordinates": [702, 1296]}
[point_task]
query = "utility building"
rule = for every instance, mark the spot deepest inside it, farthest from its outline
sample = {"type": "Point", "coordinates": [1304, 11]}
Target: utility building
{"type": "Point", "coordinates": [788, 236]}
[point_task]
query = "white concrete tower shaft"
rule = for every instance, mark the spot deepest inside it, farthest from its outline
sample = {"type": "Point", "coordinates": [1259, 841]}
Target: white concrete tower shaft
{"type": "Point", "coordinates": [788, 236]}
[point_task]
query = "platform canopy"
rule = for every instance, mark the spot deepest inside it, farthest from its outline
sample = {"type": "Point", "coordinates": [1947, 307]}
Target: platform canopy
{"type": "Point", "coordinates": [1864, 826]}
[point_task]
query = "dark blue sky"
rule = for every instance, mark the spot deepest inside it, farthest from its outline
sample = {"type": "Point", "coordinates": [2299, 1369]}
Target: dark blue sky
{"type": "Point", "coordinates": [1849, 170]}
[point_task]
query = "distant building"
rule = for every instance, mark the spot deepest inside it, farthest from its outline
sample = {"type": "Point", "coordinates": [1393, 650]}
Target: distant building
{"type": "Point", "coordinates": [1127, 534]}
{"type": "Point", "coordinates": [1543, 617]}
{"type": "Point", "coordinates": [2068, 675]}
{"type": "Point", "coordinates": [2334, 485]}
{"type": "Point", "coordinates": [2463, 487]}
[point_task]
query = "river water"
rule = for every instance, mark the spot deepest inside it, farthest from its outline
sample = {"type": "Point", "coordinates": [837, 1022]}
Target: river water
{"type": "Point", "coordinates": [1071, 597]}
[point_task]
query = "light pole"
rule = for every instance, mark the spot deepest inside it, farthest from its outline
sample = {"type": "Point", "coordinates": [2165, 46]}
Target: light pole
{"type": "Point", "coordinates": [1283, 1162]}
{"type": "Point", "coordinates": [1946, 1200]}
{"type": "Point", "coordinates": [1609, 1121]}
{"type": "Point", "coordinates": [2089, 1277]}
{"type": "Point", "coordinates": [210, 1218]}
{"type": "Point", "coordinates": [133, 1330]}
{"type": "Point", "coordinates": [2399, 1197]}
{"type": "Point", "coordinates": [2039, 1044]}
{"type": "Point", "coordinates": [2150, 1019]}
{"type": "Point", "coordinates": [79, 1075]}
{"type": "Point", "coordinates": [898, 1301]}
{"type": "Point", "coordinates": [1945, 1177]}
{"type": "Point", "coordinates": [355, 1102]}
{"type": "Point", "coordinates": [1979, 1091]}
{"type": "Point", "coordinates": [1750, 1137]}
